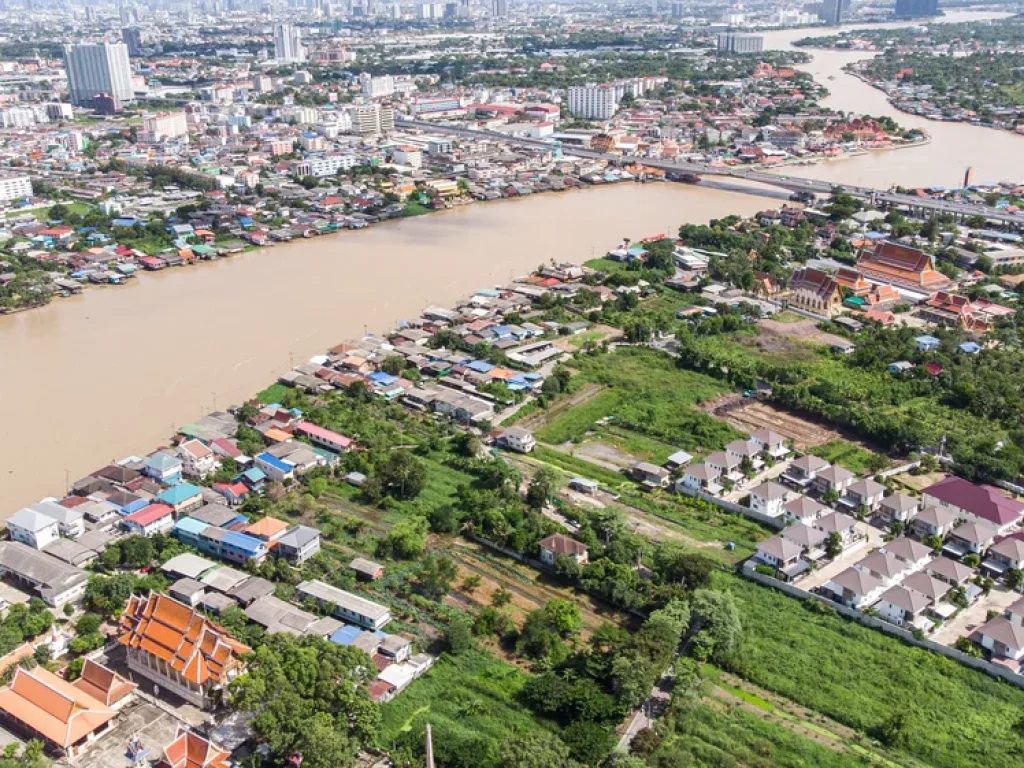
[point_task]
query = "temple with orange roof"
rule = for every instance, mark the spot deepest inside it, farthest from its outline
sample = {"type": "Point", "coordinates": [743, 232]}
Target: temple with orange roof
{"type": "Point", "coordinates": [899, 265]}
{"type": "Point", "coordinates": [65, 716]}
{"type": "Point", "coordinates": [189, 750]}
{"type": "Point", "coordinates": [178, 648]}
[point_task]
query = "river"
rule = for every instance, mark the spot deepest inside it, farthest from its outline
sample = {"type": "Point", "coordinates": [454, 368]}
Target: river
{"type": "Point", "coordinates": [96, 377]}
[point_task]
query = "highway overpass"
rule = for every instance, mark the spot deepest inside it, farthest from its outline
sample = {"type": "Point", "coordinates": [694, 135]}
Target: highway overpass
{"type": "Point", "coordinates": [919, 205]}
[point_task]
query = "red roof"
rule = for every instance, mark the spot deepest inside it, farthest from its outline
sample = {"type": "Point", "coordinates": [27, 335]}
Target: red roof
{"type": "Point", "coordinates": [983, 501]}
{"type": "Point", "coordinates": [72, 501]}
{"type": "Point", "coordinates": [308, 428]}
{"type": "Point", "coordinates": [150, 514]}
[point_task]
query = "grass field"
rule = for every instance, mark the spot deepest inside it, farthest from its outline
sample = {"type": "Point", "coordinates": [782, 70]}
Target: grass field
{"type": "Point", "coordinates": [43, 214]}
{"type": "Point", "coordinates": [955, 717]}
{"type": "Point", "coordinates": [272, 394]}
{"type": "Point", "coordinates": [853, 457]}
{"type": "Point", "coordinates": [470, 703]}
{"type": "Point", "coordinates": [646, 395]}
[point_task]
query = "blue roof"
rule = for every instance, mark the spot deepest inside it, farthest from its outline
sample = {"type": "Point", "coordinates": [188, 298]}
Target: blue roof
{"type": "Point", "coordinates": [381, 379]}
{"type": "Point", "coordinates": [191, 525]}
{"type": "Point", "coordinates": [254, 475]}
{"type": "Point", "coordinates": [490, 292]}
{"type": "Point", "coordinates": [501, 330]}
{"type": "Point", "coordinates": [176, 494]}
{"type": "Point", "coordinates": [346, 635]}
{"type": "Point", "coordinates": [163, 461]}
{"type": "Point", "coordinates": [926, 339]}
{"type": "Point", "coordinates": [276, 463]}
{"type": "Point", "coordinates": [970, 346]}
{"type": "Point", "coordinates": [244, 542]}
{"type": "Point", "coordinates": [127, 222]}
{"type": "Point", "coordinates": [480, 366]}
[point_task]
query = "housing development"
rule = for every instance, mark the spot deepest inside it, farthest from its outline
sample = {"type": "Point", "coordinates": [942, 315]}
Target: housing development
{"type": "Point", "coordinates": [739, 488]}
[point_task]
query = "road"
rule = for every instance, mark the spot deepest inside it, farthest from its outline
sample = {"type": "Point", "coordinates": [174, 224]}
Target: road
{"type": "Point", "coordinates": [792, 183]}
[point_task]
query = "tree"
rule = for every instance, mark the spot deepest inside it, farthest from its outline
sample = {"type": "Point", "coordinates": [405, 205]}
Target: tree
{"type": "Point", "coordinates": [137, 551]}
{"type": "Point", "coordinates": [534, 749]}
{"type": "Point", "coordinates": [471, 583]}
{"type": "Point", "coordinates": [393, 365]}
{"type": "Point", "coordinates": [563, 616]}
{"type": "Point", "coordinates": [1014, 578]}
{"type": "Point", "coordinates": [407, 540]}
{"type": "Point", "coordinates": [435, 576]}
{"type": "Point", "coordinates": [714, 625]}
{"type": "Point", "coordinates": [678, 564]}
{"type": "Point", "coordinates": [458, 635]}
{"type": "Point", "coordinates": [501, 597]}
{"type": "Point", "coordinates": [894, 731]}
{"type": "Point", "coordinates": [308, 696]}
{"type": "Point", "coordinates": [88, 624]}
{"type": "Point", "coordinates": [541, 487]}
{"type": "Point", "coordinates": [833, 545]}
{"type": "Point", "coordinates": [402, 476]}
{"type": "Point", "coordinates": [444, 519]}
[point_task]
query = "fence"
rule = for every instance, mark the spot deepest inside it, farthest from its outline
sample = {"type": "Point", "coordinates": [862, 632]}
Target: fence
{"type": "Point", "coordinates": [900, 469]}
{"type": "Point", "coordinates": [773, 522]}
{"type": "Point", "coordinates": [995, 670]}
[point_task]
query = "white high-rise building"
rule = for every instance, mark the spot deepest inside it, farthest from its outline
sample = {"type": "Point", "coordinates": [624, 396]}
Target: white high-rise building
{"type": "Point", "coordinates": [165, 125]}
{"type": "Point", "coordinates": [288, 43]}
{"type": "Point", "coordinates": [95, 68]}
{"type": "Point", "coordinates": [376, 87]}
{"type": "Point", "coordinates": [372, 119]}
{"type": "Point", "coordinates": [15, 188]}
{"type": "Point", "coordinates": [597, 102]}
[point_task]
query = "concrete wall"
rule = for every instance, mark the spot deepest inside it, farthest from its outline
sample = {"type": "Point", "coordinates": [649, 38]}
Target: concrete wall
{"type": "Point", "coordinates": [995, 670]}
{"type": "Point", "coordinates": [778, 523]}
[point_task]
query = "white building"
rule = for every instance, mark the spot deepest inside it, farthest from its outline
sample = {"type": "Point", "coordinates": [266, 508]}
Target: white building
{"type": "Point", "coordinates": [376, 87]}
{"type": "Point", "coordinates": [15, 188]}
{"type": "Point", "coordinates": [597, 102]}
{"type": "Point", "coordinates": [769, 499]}
{"type": "Point", "coordinates": [409, 156]}
{"type": "Point", "coordinates": [197, 460]}
{"type": "Point", "coordinates": [32, 528]}
{"type": "Point", "coordinates": [288, 43]}
{"type": "Point", "coordinates": [734, 43]}
{"type": "Point", "coordinates": [165, 125]}
{"type": "Point", "coordinates": [372, 119]}
{"type": "Point", "coordinates": [95, 68]}
{"type": "Point", "coordinates": [518, 439]}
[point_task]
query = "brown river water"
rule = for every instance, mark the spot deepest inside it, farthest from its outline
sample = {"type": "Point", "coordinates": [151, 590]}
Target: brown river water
{"type": "Point", "coordinates": [96, 377]}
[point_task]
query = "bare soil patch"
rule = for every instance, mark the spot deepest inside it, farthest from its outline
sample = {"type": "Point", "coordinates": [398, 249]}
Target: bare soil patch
{"type": "Point", "coordinates": [805, 330]}
{"type": "Point", "coordinates": [750, 415]}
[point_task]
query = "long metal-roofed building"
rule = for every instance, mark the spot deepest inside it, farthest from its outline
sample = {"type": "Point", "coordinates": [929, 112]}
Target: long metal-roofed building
{"type": "Point", "coordinates": [347, 606]}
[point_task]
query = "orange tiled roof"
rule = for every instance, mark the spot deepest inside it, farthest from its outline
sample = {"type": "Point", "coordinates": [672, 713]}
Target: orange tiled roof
{"type": "Point", "coordinates": [103, 684]}
{"type": "Point", "coordinates": [191, 751]}
{"type": "Point", "coordinates": [892, 262]}
{"type": "Point", "coordinates": [190, 644]}
{"type": "Point", "coordinates": [52, 707]}
{"type": "Point", "coordinates": [267, 528]}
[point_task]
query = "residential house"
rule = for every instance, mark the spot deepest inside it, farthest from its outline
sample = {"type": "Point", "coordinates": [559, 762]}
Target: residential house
{"type": "Point", "coordinates": [275, 469]}
{"type": "Point", "coordinates": [1004, 555]}
{"type": "Point", "coordinates": [557, 545]}
{"type": "Point", "coordinates": [953, 572]}
{"type": "Point", "coordinates": [802, 472]}
{"type": "Point", "coordinates": [913, 553]}
{"type": "Point", "coordinates": [885, 567]}
{"type": "Point", "coordinates": [903, 607]}
{"type": "Point", "coordinates": [770, 443]}
{"type": "Point", "coordinates": [345, 605]}
{"type": "Point", "coordinates": [803, 509]}
{"type": "Point", "coordinates": [745, 449]}
{"type": "Point", "coordinates": [33, 528]}
{"type": "Point", "coordinates": [834, 479]}
{"type": "Point", "coordinates": [863, 493]}
{"type": "Point", "coordinates": [517, 439]}
{"type": "Point", "coordinates": [700, 477]}
{"type": "Point", "coordinates": [182, 498]}
{"type": "Point", "coordinates": [781, 554]}
{"type": "Point", "coordinates": [325, 438]}
{"type": "Point", "coordinates": [976, 503]}
{"type": "Point", "coordinates": [769, 499]}
{"type": "Point", "coordinates": [726, 464]}
{"type": "Point", "coordinates": [649, 475]}
{"type": "Point", "coordinates": [149, 521]}
{"type": "Point", "coordinates": [837, 522]}
{"type": "Point", "coordinates": [933, 521]}
{"type": "Point", "coordinates": [815, 291]}
{"type": "Point", "coordinates": [811, 540]}
{"type": "Point", "coordinates": [926, 343]}
{"type": "Point", "coordinates": [70, 520]}
{"type": "Point", "coordinates": [931, 587]}
{"type": "Point", "coordinates": [898, 508]}
{"type": "Point", "coordinates": [970, 538]}
{"type": "Point", "coordinates": [298, 544]}
{"type": "Point", "coordinates": [268, 529]}
{"type": "Point", "coordinates": [1003, 636]}
{"type": "Point", "coordinates": [177, 648]}
{"type": "Point", "coordinates": [197, 460]}
{"type": "Point", "coordinates": [854, 588]}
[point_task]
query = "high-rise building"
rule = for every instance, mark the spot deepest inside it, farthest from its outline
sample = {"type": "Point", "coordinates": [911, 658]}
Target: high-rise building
{"type": "Point", "coordinates": [372, 119]}
{"type": "Point", "coordinates": [834, 11]}
{"type": "Point", "coordinates": [15, 187]}
{"type": "Point", "coordinates": [376, 87]}
{"type": "Point", "coordinates": [730, 42]}
{"type": "Point", "coordinates": [678, 10]}
{"type": "Point", "coordinates": [499, 8]}
{"type": "Point", "coordinates": [132, 37]}
{"type": "Point", "coordinates": [908, 9]}
{"type": "Point", "coordinates": [95, 68]}
{"type": "Point", "coordinates": [593, 101]}
{"type": "Point", "coordinates": [288, 43]}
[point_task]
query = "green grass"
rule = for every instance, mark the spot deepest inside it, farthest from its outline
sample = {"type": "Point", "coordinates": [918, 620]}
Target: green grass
{"type": "Point", "coordinates": [786, 316]}
{"type": "Point", "coordinates": [707, 736]}
{"type": "Point", "coordinates": [606, 265]}
{"type": "Point", "coordinates": [956, 716]}
{"type": "Point", "coordinates": [580, 339]}
{"type": "Point", "coordinates": [647, 395]}
{"type": "Point", "coordinates": [416, 209]}
{"type": "Point", "coordinates": [272, 394]}
{"type": "Point", "coordinates": [469, 701]}
{"type": "Point", "coordinates": [853, 457]}
{"type": "Point", "coordinates": [442, 482]}
{"type": "Point", "coordinates": [577, 466]}
{"type": "Point", "coordinates": [43, 214]}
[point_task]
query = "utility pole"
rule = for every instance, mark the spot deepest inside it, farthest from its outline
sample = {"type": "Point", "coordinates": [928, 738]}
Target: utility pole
{"type": "Point", "coordinates": [430, 749]}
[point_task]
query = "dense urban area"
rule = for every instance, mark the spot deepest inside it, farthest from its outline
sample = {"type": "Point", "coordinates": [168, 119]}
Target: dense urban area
{"type": "Point", "coordinates": [743, 491]}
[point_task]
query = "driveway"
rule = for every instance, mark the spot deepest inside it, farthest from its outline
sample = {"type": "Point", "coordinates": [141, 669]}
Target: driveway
{"type": "Point", "coordinates": [771, 473]}
{"type": "Point", "coordinates": [856, 551]}
{"type": "Point", "coordinates": [968, 620]}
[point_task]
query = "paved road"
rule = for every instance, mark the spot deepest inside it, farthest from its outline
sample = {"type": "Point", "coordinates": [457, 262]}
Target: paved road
{"type": "Point", "coordinates": [650, 710]}
{"type": "Point", "coordinates": [793, 183]}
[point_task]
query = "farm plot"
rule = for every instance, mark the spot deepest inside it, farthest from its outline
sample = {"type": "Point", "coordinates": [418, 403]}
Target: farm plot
{"type": "Point", "coordinates": [749, 415]}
